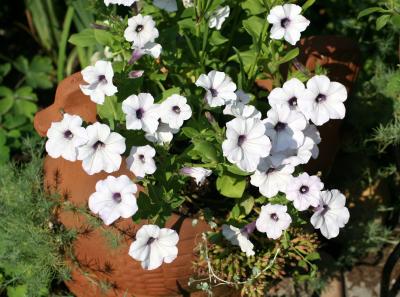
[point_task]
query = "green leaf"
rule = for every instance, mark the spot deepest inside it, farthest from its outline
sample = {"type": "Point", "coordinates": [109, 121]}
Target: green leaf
{"type": "Point", "coordinates": [18, 291]}
{"type": "Point", "coordinates": [85, 38]}
{"type": "Point", "coordinates": [170, 92]}
{"type": "Point", "coordinates": [190, 132]}
{"type": "Point", "coordinates": [217, 38]}
{"type": "Point", "coordinates": [254, 26]}
{"type": "Point", "coordinates": [103, 37]}
{"type": "Point", "coordinates": [26, 108]}
{"type": "Point", "coordinates": [206, 150]}
{"type": "Point", "coordinates": [247, 204]}
{"type": "Point", "coordinates": [37, 73]}
{"type": "Point", "coordinates": [4, 70]}
{"type": "Point", "coordinates": [307, 5]}
{"type": "Point", "coordinates": [235, 170]}
{"type": "Point", "coordinates": [369, 11]}
{"type": "Point", "coordinates": [7, 100]}
{"type": "Point", "coordinates": [289, 56]}
{"type": "Point", "coordinates": [254, 7]}
{"type": "Point", "coordinates": [110, 110]}
{"type": "Point", "coordinates": [246, 58]}
{"type": "Point", "coordinates": [382, 21]}
{"type": "Point", "coordinates": [231, 186]}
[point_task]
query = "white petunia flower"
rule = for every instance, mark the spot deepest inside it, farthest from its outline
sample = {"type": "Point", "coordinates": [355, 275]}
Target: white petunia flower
{"type": "Point", "coordinates": [218, 17]}
{"type": "Point", "coordinates": [284, 127]}
{"type": "Point", "coordinates": [150, 48]}
{"type": "Point", "coordinates": [120, 2]}
{"type": "Point", "coordinates": [246, 143]}
{"type": "Point", "coordinates": [273, 220]}
{"type": "Point", "coordinates": [323, 100]}
{"type": "Point", "coordinates": [140, 160]}
{"type": "Point", "coordinates": [331, 213]}
{"type": "Point", "coordinates": [114, 198]}
{"type": "Point", "coordinates": [174, 111]}
{"type": "Point", "coordinates": [238, 237]}
{"type": "Point", "coordinates": [219, 86]}
{"type": "Point", "coordinates": [287, 22]}
{"type": "Point", "coordinates": [271, 179]}
{"type": "Point", "coordinates": [312, 132]}
{"type": "Point", "coordinates": [288, 95]}
{"type": "Point", "coordinates": [188, 3]}
{"type": "Point", "coordinates": [167, 5]}
{"type": "Point", "coordinates": [65, 137]}
{"type": "Point", "coordinates": [199, 174]}
{"type": "Point", "coordinates": [246, 112]}
{"type": "Point", "coordinates": [141, 30]}
{"type": "Point", "coordinates": [99, 78]}
{"type": "Point", "coordinates": [102, 151]}
{"type": "Point", "coordinates": [241, 100]}
{"type": "Point", "coordinates": [153, 246]}
{"type": "Point", "coordinates": [163, 134]}
{"type": "Point", "coordinates": [304, 191]}
{"type": "Point", "coordinates": [141, 112]}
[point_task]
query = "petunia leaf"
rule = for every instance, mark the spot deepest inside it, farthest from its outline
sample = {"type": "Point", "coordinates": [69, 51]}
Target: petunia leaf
{"type": "Point", "coordinates": [231, 186]}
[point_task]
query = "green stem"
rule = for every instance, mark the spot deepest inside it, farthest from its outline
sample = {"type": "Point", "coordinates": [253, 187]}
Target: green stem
{"type": "Point", "coordinates": [63, 43]}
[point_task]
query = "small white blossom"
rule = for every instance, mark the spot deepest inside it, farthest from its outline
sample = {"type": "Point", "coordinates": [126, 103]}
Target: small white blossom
{"type": "Point", "coordinates": [285, 128]}
{"type": "Point", "coordinates": [238, 237]}
{"type": "Point", "coordinates": [241, 100]}
{"type": "Point", "coordinates": [150, 48]}
{"type": "Point", "coordinates": [219, 86]}
{"type": "Point", "coordinates": [163, 134]}
{"type": "Point", "coordinates": [218, 17]}
{"type": "Point", "coordinates": [188, 3]}
{"type": "Point", "coordinates": [140, 160]}
{"type": "Point", "coordinates": [120, 2]}
{"type": "Point", "coordinates": [174, 111]}
{"type": "Point", "coordinates": [323, 100]}
{"type": "Point", "coordinates": [273, 220]}
{"type": "Point", "coordinates": [331, 213]}
{"type": "Point", "coordinates": [99, 78]}
{"type": "Point", "coordinates": [114, 198]}
{"type": "Point", "coordinates": [141, 112]}
{"type": "Point", "coordinates": [304, 191]}
{"type": "Point", "coordinates": [199, 174]}
{"type": "Point", "coordinates": [141, 30]}
{"type": "Point", "coordinates": [102, 151]}
{"type": "Point", "coordinates": [246, 143]}
{"type": "Point", "coordinates": [153, 246]}
{"type": "Point", "coordinates": [65, 137]}
{"type": "Point", "coordinates": [167, 5]}
{"type": "Point", "coordinates": [246, 112]}
{"type": "Point", "coordinates": [271, 179]}
{"type": "Point", "coordinates": [287, 22]}
{"type": "Point", "coordinates": [288, 95]}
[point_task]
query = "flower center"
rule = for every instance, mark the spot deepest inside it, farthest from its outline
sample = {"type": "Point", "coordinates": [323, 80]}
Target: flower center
{"type": "Point", "coordinates": [214, 92]}
{"type": "Point", "coordinates": [68, 134]}
{"type": "Point", "coordinates": [280, 126]}
{"type": "Point", "coordinates": [176, 109]}
{"type": "Point", "coordinates": [274, 217]}
{"type": "Point", "coordinates": [101, 78]}
{"type": "Point", "coordinates": [285, 22]}
{"type": "Point", "coordinates": [270, 170]}
{"type": "Point", "coordinates": [139, 113]}
{"type": "Point", "coordinates": [117, 197]}
{"type": "Point", "coordinates": [139, 28]}
{"type": "Point", "coordinates": [325, 209]}
{"type": "Point", "coordinates": [98, 144]}
{"type": "Point", "coordinates": [293, 101]}
{"type": "Point", "coordinates": [142, 158]}
{"type": "Point", "coordinates": [241, 139]}
{"type": "Point", "coordinates": [304, 189]}
{"type": "Point", "coordinates": [320, 98]}
{"type": "Point", "coordinates": [151, 240]}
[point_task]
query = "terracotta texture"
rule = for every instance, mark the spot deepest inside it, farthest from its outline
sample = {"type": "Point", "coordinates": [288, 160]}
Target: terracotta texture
{"type": "Point", "coordinates": [341, 57]}
{"type": "Point", "coordinates": [97, 269]}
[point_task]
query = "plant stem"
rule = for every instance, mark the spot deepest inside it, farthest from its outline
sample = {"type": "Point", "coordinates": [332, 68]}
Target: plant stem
{"type": "Point", "coordinates": [63, 43]}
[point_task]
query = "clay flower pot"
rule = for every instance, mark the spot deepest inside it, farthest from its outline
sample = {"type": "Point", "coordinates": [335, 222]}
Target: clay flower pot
{"type": "Point", "coordinates": [98, 269]}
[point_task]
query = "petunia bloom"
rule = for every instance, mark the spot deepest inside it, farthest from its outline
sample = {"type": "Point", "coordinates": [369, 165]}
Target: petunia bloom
{"type": "Point", "coordinates": [273, 220]}
{"type": "Point", "coordinates": [114, 198]}
{"type": "Point", "coordinates": [288, 95]}
{"type": "Point", "coordinates": [238, 237]}
{"type": "Point", "coordinates": [141, 30]}
{"type": "Point", "coordinates": [140, 160]}
{"type": "Point", "coordinates": [174, 111]}
{"type": "Point", "coordinates": [304, 191]}
{"type": "Point", "coordinates": [153, 246]}
{"type": "Point", "coordinates": [120, 2]}
{"type": "Point", "coordinates": [198, 173]}
{"type": "Point", "coordinates": [162, 135]}
{"type": "Point", "coordinates": [218, 17]}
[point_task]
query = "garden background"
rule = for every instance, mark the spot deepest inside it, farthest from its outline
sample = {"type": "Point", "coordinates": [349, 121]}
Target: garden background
{"type": "Point", "coordinates": [38, 51]}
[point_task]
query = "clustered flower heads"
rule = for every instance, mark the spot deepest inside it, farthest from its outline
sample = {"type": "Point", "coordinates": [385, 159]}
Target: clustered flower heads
{"type": "Point", "coordinates": [264, 147]}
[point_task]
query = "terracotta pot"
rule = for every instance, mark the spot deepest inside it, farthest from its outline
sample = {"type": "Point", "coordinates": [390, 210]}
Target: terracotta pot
{"type": "Point", "coordinates": [97, 269]}
{"type": "Point", "coordinates": [341, 57]}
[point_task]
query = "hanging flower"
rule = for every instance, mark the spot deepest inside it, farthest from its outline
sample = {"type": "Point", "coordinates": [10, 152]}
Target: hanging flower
{"type": "Point", "coordinates": [141, 112]}
{"type": "Point", "coordinates": [331, 213]}
{"type": "Point", "coordinates": [99, 78]}
{"type": "Point", "coordinates": [218, 17]}
{"type": "Point", "coordinates": [242, 99]}
{"type": "Point", "coordinates": [102, 151]}
{"type": "Point", "coordinates": [284, 127]}
{"type": "Point", "coordinates": [65, 137]}
{"type": "Point", "coordinates": [246, 143]}
{"type": "Point", "coordinates": [199, 174]}
{"type": "Point", "coordinates": [287, 22]}
{"type": "Point", "coordinates": [271, 179]}
{"type": "Point", "coordinates": [163, 134]}
{"type": "Point", "coordinates": [288, 95]}
{"type": "Point", "coordinates": [174, 111]}
{"type": "Point", "coordinates": [114, 198]}
{"type": "Point", "coordinates": [136, 73]}
{"type": "Point", "coordinates": [150, 48]}
{"type": "Point", "coordinates": [323, 100]}
{"type": "Point", "coordinates": [304, 191]}
{"type": "Point", "coordinates": [141, 30]}
{"type": "Point", "coordinates": [120, 2]}
{"type": "Point", "coordinates": [153, 246]}
{"type": "Point", "coordinates": [273, 220]}
{"type": "Point", "coordinates": [238, 237]}
{"type": "Point", "coordinates": [140, 160]}
{"type": "Point", "coordinates": [219, 86]}
{"type": "Point", "coordinates": [167, 5]}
